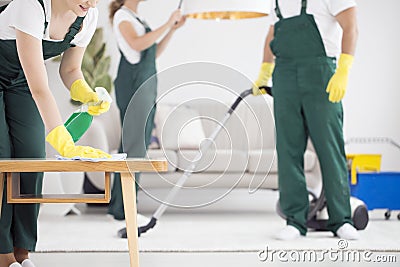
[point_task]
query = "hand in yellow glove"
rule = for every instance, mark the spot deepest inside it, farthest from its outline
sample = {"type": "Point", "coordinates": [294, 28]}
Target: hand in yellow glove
{"type": "Point", "coordinates": [81, 91]}
{"type": "Point", "coordinates": [99, 108]}
{"type": "Point", "coordinates": [263, 77]}
{"type": "Point", "coordinates": [62, 141]}
{"type": "Point", "coordinates": [338, 83]}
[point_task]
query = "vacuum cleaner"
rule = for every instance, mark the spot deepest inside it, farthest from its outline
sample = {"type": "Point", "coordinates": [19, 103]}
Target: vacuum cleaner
{"type": "Point", "coordinates": [189, 170]}
{"type": "Point", "coordinates": [317, 216]}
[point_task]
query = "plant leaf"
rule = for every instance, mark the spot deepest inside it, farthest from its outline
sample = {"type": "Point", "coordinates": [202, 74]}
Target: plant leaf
{"type": "Point", "coordinates": [102, 67]}
{"type": "Point", "coordinates": [57, 58]}
{"type": "Point", "coordinates": [75, 103]}
{"type": "Point", "coordinates": [88, 78]}
{"type": "Point", "coordinates": [87, 63]}
{"type": "Point", "coordinates": [96, 42]}
{"type": "Point", "coordinates": [99, 55]}
{"type": "Point", "coordinates": [104, 81]}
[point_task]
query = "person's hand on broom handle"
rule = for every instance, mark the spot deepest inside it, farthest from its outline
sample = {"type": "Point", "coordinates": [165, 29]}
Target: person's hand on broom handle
{"type": "Point", "coordinates": [179, 8]}
{"type": "Point", "coordinates": [175, 17]}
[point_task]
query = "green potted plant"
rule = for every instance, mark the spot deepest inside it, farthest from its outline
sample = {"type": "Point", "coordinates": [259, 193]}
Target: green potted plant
{"type": "Point", "coordinates": [96, 63]}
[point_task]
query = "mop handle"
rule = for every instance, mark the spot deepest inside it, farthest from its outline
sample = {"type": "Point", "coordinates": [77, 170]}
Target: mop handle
{"type": "Point", "coordinates": [180, 4]}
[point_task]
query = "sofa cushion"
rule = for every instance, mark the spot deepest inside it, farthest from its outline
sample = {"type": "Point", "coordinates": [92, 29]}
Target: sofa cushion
{"type": "Point", "coordinates": [178, 127]}
{"type": "Point", "coordinates": [219, 160]}
{"type": "Point", "coordinates": [266, 160]}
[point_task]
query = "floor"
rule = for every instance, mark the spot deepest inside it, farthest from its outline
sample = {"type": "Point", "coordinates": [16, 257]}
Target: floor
{"type": "Point", "coordinates": [231, 232]}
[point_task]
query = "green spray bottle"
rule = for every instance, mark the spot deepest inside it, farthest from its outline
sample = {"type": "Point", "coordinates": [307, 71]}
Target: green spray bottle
{"type": "Point", "coordinates": [79, 122]}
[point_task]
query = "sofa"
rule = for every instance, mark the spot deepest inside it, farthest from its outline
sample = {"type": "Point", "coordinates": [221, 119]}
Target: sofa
{"type": "Point", "coordinates": [243, 154]}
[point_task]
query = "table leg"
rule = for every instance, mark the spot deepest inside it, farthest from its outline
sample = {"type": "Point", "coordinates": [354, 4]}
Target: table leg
{"type": "Point", "coordinates": [129, 197]}
{"type": "Point", "coordinates": [1, 190]}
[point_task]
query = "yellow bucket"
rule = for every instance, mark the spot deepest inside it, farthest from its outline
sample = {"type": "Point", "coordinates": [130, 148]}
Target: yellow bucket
{"type": "Point", "coordinates": [361, 163]}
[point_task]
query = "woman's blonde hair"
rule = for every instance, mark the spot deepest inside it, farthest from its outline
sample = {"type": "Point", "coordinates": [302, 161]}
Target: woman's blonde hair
{"type": "Point", "coordinates": [114, 6]}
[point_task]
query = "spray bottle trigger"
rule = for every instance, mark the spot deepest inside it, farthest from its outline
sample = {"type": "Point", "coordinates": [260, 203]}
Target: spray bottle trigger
{"type": "Point", "coordinates": [103, 94]}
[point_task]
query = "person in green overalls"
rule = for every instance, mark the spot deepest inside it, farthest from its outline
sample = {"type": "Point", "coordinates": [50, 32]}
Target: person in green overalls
{"type": "Point", "coordinates": [136, 83]}
{"type": "Point", "coordinates": [32, 31]}
{"type": "Point", "coordinates": [304, 39]}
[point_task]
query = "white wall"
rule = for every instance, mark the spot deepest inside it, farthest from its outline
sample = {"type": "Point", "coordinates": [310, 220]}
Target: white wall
{"type": "Point", "coordinates": [371, 104]}
{"type": "Point", "coordinates": [371, 108]}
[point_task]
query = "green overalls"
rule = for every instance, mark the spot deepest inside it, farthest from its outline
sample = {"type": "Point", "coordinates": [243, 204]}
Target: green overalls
{"type": "Point", "coordinates": [136, 92]}
{"type": "Point", "coordinates": [22, 135]}
{"type": "Point", "coordinates": [302, 110]}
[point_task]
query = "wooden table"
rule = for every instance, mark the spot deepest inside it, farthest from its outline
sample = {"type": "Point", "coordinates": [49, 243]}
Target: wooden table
{"type": "Point", "coordinates": [12, 168]}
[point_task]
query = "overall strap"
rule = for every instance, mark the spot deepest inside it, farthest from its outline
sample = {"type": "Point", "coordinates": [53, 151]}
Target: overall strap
{"type": "Point", "coordinates": [278, 10]}
{"type": "Point", "coordinates": [279, 13]}
{"type": "Point", "coordinates": [74, 29]}
{"type": "Point", "coordinates": [303, 6]}
{"type": "Point", "coordinates": [46, 23]}
{"type": "Point", "coordinates": [136, 17]}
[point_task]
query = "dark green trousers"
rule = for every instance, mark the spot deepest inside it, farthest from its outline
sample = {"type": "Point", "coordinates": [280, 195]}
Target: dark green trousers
{"type": "Point", "coordinates": [136, 99]}
{"type": "Point", "coordinates": [302, 110]}
{"type": "Point", "coordinates": [138, 123]}
{"type": "Point", "coordinates": [22, 136]}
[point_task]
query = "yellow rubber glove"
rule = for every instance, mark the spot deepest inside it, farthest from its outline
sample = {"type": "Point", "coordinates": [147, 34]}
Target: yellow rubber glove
{"type": "Point", "coordinates": [98, 109]}
{"type": "Point", "coordinates": [263, 78]}
{"type": "Point", "coordinates": [338, 83]}
{"type": "Point", "coordinates": [61, 140]}
{"type": "Point", "coordinates": [81, 91]}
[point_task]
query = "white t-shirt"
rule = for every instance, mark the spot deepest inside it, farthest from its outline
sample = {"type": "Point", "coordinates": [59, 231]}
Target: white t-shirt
{"type": "Point", "coordinates": [125, 14]}
{"type": "Point", "coordinates": [28, 17]}
{"type": "Point", "coordinates": [324, 12]}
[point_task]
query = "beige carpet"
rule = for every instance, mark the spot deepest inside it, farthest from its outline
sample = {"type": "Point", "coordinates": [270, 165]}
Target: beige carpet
{"type": "Point", "coordinates": [205, 230]}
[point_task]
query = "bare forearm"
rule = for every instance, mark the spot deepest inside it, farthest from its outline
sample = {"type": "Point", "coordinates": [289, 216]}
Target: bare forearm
{"type": "Point", "coordinates": [164, 42]}
{"type": "Point", "coordinates": [41, 94]}
{"type": "Point", "coordinates": [31, 58]}
{"type": "Point", "coordinates": [349, 41]}
{"type": "Point", "coordinates": [69, 77]}
{"type": "Point", "coordinates": [268, 55]}
{"type": "Point", "coordinates": [140, 43]}
{"type": "Point", "coordinates": [70, 67]}
{"type": "Point", "coordinates": [48, 109]}
{"type": "Point", "coordinates": [145, 41]}
{"type": "Point", "coordinates": [43, 98]}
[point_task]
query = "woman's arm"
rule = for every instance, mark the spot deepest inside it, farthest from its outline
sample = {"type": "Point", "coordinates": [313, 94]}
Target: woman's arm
{"type": "Point", "coordinates": [268, 55]}
{"type": "Point", "coordinates": [164, 42]}
{"type": "Point", "coordinates": [348, 22]}
{"type": "Point", "coordinates": [31, 57]}
{"type": "Point", "coordinates": [72, 77]}
{"type": "Point", "coordinates": [70, 67]}
{"type": "Point", "coordinates": [140, 43]}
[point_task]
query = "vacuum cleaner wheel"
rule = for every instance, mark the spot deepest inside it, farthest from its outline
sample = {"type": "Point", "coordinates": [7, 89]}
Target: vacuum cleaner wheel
{"type": "Point", "coordinates": [360, 217]}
